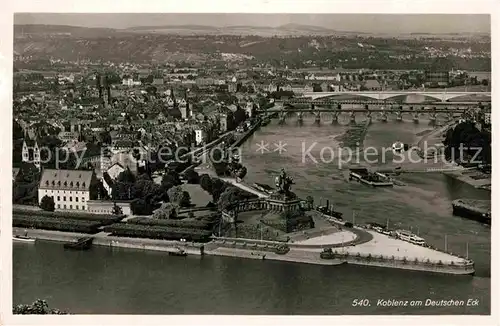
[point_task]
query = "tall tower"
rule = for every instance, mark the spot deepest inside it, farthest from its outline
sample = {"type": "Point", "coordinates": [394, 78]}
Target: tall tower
{"type": "Point", "coordinates": [98, 84]}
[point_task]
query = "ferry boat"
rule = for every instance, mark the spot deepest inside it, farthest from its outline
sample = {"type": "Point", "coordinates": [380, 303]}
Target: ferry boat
{"type": "Point", "coordinates": [410, 237]}
{"type": "Point", "coordinates": [23, 238]}
{"type": "Point", "coordinates": [375, 179]}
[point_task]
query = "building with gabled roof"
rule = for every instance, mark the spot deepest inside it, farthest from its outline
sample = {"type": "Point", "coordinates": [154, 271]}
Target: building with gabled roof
{"type": "Point", "coordinates": [70, 189]}
{"type": "Point", "coordinates": [31, 152]}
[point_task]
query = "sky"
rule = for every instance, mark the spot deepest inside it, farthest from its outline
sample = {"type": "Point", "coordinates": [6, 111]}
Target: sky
{"type": "Point", "coordinates": [373, 23]}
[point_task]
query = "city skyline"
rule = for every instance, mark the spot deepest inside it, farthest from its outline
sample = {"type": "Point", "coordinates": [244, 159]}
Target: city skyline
{"type": "Point", "coordinates": [366, 23]}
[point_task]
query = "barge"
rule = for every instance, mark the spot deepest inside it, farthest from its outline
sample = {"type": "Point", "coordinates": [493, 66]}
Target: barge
{"type": "Point", "coordinates": [80, 244]}
{"type": "Point", "coordinates": [477, 210]}
{"type": "Point", "coordinates": [374, 179]}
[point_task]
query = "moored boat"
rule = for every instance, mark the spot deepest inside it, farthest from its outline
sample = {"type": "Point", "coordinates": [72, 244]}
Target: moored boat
{"type": "Point", "coordinates": [180, 253]}
{"type": "Point", "coordinates": [374, 179]}
{"type": "Point", "coordinates": [410, 237]}
{"type": "Point", "coordinates": [80, 244]}
{"type": "Point", "coordinates": [23, 238]}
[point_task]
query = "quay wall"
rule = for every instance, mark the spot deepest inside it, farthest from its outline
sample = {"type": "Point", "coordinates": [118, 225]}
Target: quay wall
{"type": "Point", "coordinates": [244, 247]}
{"type": "Point", "coordinates": [148, 244]}
{"type": "Point", "coordinates": [106, 240]}
{"type": "Point", "coordinates": [246, 135]}
{"type": "Point", "coordinates": [351, 258]}
{"type": "Point", "coordinates": [50, 235]}
{"type": "Point", "coordinates": [434, 267]}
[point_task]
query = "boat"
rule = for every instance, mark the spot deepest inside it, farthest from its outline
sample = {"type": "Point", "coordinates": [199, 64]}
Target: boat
{"type": "Point", "coordinates": [179, 252]}
{"type": "Point", "coordinates": [328, 211]}
{"type": "Point", "coordinates": [265, 122]}
{"type": "Point", "coordinates": [375, 179]}
{"type": "Point", "coordinates": [410, 237]}
{"type": "Point", "coordinates": [80, 244]}
{"type": "Point", "coordinates": [23, 238]}
{"type": "Point", "coordinates": [477, 210]}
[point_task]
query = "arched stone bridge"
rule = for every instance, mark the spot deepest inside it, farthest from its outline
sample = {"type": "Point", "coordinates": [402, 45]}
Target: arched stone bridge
{"type": "Point", "coordinates": [384, 95]}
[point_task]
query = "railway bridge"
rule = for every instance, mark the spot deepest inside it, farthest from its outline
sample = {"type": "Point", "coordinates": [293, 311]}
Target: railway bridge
{"type": "Point", "coordinates": [442, 96]}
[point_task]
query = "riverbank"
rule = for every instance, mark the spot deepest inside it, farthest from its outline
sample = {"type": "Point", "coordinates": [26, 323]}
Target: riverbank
{"type": "Point", "coordinates": [372, 250]}
{"type": "Point", "coordinates": [107, 240]}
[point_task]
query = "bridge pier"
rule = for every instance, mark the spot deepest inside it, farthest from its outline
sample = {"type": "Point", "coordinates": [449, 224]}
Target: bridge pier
{"type": "Point", "coordinates": [353, 117]}
{"type": "Point", "coordinates": [335, 117]}
{"type": "Point", "coordinates": [317, 118]}
{"type": "Point", "coordinates": [282, 118]}
{"type": "Point", "coordinates": [415, 117]}
{"type": "Point", "coordinates": [399, 116]}
{"type": "Point", "coordinates": [383, 117]}
{"type": "Point", "coordinates": [300, 117]}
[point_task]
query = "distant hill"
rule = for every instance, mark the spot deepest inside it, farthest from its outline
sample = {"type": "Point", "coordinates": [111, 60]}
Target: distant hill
{"type": "Point", "coordinates": [263, 31]}
{"type": "Point", "coordinates": [75, 31]}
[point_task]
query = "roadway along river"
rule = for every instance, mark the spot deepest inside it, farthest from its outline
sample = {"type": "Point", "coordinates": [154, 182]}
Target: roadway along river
{"type": "Point", "coordinates": [121, 281]}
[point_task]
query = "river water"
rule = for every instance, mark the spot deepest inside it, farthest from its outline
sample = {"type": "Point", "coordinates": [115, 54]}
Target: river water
{"type": "Point", "coordinates": [123, 281]}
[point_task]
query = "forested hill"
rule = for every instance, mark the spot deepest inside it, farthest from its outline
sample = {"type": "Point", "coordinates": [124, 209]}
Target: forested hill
{"type": "Point", "coordinates": [76, 43]}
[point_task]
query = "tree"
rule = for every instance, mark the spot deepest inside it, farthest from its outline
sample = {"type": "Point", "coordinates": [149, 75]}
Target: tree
{"type": "Point", "coordinates": [117, 210]}
{"type": "Point", "coordinates": [140, 207]}
{"type": "Point", "coordinates": [105, 137]}
{"type": "Point", "coordinates": [126, 176]}
{"type": "Point", "coordinates": [239, 116]}
{"type": "Point", "coordinates": [230, 196]}
{"type": "Point", "coordinates": [206, 183]}
{"type": "Point", "coordinates": [166, 211]}
{"type": "Point", "coordinates": [192, 176]}
{"type": "Point", "coordinates": [178, 196]}
{"type": "Point", "coordinates": [47, 204]}
{"type": "Point", "coordinates": [39, 307]}
{"type": "Point", "coordinates": [310, 202]}
{"type": "Point", "coordinates": [172, 178]}
{"type": "Point", "coordinates": [241, 172]}
{"type": "Point", "coordinates": [218, 187]}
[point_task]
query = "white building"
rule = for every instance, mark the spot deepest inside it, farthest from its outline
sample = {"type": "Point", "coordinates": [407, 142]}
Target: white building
{"type": "Point", "coordinates": [199, 136]}
{"type": "Point", "coordinates": [109, 177]}
{"type": "Point", "coordinates": [115, 170]}
{"type": "Point", "coordinates": [70, 189]}
{"type": "Point", "coordinates": [31, 152]}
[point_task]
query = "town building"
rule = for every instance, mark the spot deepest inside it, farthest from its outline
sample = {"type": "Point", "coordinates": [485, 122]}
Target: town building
{"type": "Point", "coordinates": [70, 189]}
{"type": "Point", "coordinates": [31, 152]}
{"type": "Point", "coordinates": [224, 122]}
{"type": "Point", "coordinates": [199, 136]}
{"type": "Point", "coordinates": [107, 207]}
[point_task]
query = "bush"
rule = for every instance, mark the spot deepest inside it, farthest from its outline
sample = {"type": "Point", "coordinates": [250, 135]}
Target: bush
{"type": "Point", "coordinates": [348, 225]}
{"type": "Point", "coordinates": [140, 207]}
{"type": "Point", "coordinates": [192, 176]}
{"type": "Point", "coordinates": [70, 215]}
{"type": "Point", "coordinates": [56, 224]}
{"type": "Point", "coordinates": [282, 249]}
{"type": "Point", "coordinates": [327, 253]}
{"type": "Point", "coordinates": [158, 232]}
{"type": "Point", "coordinates": [190, 224]}
{"type": "Point", "coordinates": [39, 307]}
{"type": "Point", "coordinates": [47, 204]}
